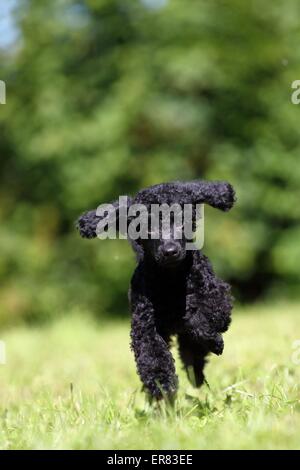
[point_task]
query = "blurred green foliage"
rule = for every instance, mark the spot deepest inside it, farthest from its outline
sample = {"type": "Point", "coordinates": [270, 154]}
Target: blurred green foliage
{"type": "Point", "coordinates": [107, 96]}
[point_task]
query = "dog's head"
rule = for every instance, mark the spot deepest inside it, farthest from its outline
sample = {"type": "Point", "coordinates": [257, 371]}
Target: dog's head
{"type": "Point", "coordinates": [156, 219]}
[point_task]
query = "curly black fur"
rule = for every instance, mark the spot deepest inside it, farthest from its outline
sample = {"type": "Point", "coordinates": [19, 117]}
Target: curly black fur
{"type": "Point", "coordinates": [174, 292]}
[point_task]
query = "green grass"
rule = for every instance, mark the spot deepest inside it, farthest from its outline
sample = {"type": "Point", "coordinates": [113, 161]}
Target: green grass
{"type": "Point", "coordinates": [73, 385]}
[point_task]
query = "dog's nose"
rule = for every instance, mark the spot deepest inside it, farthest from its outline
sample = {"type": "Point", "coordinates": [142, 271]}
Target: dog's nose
{"type": "Point", "coordinates": [171, 250]}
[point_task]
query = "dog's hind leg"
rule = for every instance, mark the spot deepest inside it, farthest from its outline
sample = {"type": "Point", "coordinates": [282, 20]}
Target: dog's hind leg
{"type": "Point", "coordinates": [193, 356]}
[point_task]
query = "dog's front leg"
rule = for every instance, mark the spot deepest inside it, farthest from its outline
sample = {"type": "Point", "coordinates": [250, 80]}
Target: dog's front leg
{"type": "Point", "coordinates": [155, 364]}
{"type": "Point", "coordinates": [208, 307]}
{"type": "Point", "coordinates": [201, 332]}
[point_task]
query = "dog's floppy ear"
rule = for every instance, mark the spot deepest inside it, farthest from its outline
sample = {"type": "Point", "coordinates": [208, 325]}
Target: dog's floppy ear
{"type": "Point", "coordinates": [218, 194]}
{"type": "Point", "coordinates": [88, 222]}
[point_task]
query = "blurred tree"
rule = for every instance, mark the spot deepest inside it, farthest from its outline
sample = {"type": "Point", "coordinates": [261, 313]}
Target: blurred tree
{"type": "Point", "coordinates": [107, 96]}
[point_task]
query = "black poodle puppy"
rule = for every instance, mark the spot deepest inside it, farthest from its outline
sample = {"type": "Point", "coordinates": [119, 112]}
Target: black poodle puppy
{"type": "Point", "coordinates": [173, 291]}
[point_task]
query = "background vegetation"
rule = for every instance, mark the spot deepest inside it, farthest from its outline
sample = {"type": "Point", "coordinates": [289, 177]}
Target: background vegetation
{"type": "Point", "coordinates": [107, 96]}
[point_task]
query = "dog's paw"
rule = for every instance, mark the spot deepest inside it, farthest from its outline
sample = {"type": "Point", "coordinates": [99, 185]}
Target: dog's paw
{"type": "Point", "coordinates": [216, 345]}
{"type": "Point", "coordinates": [157, 391]}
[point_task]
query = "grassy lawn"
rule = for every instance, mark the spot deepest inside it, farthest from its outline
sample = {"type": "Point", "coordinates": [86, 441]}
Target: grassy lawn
{"type": "Point", "coordinates": [73, 385]}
